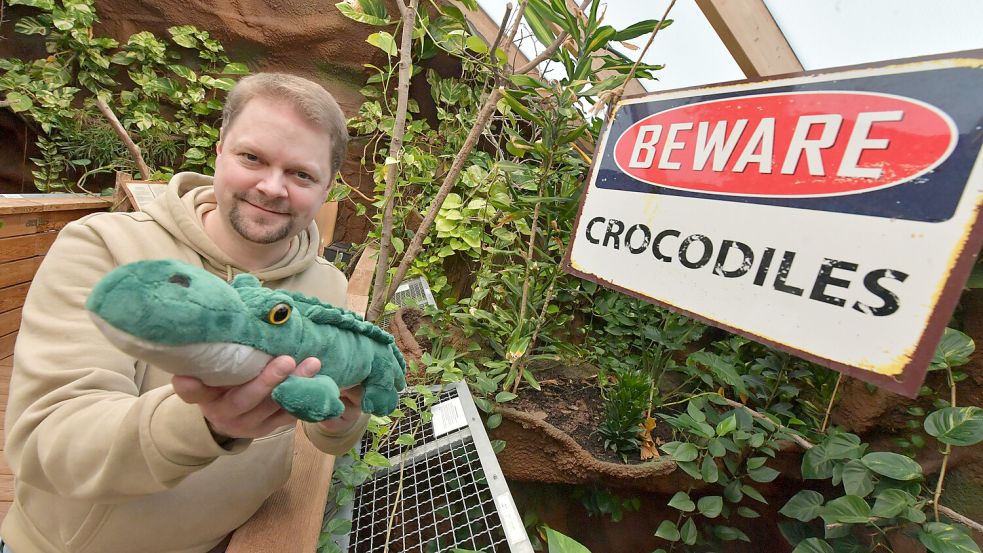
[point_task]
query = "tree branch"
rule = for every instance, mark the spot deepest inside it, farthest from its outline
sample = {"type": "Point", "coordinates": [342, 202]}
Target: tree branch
{"type": "Point", "coordinates": [379, 297]}
{"type": "Point", "coordinates": [125, 137]}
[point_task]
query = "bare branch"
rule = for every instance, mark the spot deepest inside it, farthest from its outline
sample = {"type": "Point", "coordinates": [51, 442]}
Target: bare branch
{"type": "Point", "coordinates": [378, 302]}
{"type": "Point", "coordinates": [125, 137]}
{"type": "Point", "coordinates": [960, 518]}
{"type": "Point", "coordinates": [501, 30]}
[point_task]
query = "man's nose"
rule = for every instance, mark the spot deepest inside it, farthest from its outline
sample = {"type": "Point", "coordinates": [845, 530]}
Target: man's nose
{"type": "Point", "coordinates": [273, 184]}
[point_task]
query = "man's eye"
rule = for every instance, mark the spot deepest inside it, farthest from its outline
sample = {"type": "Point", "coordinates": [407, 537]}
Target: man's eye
{"type": "Point", "coordinates": [305, 176]}
{"type": "Point", "coordinates": [249, 157]}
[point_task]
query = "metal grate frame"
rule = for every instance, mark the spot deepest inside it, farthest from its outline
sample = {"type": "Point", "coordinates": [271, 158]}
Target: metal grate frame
{"type": "Point", "coordinates": [454, 493]}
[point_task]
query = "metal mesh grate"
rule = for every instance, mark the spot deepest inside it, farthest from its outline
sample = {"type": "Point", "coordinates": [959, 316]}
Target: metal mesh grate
{"type": "Point", "coordinates": [453, 493]}
{"type": "Point", "coordinates": [414, 292]}
{"type": "Point", "coordinates": [405, 425]}
{"type": "Point", "coordinates": [448, 504]}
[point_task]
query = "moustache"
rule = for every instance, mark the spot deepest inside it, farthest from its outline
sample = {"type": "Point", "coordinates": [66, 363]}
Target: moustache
{"type": "Point", "coordinates": [258, 201]}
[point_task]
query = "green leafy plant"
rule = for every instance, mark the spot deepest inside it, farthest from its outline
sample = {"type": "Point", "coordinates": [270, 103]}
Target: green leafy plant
{"type": "Point", "coordinates": [625, 402]}
{"type": "Point", "coordinates": [884, 492]}
{"type": "Point", "coordinates": [166, 95]}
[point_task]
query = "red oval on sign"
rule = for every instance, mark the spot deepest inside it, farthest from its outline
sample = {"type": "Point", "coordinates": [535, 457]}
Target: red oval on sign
{"type": "Point", "coordinates": [796, 144]}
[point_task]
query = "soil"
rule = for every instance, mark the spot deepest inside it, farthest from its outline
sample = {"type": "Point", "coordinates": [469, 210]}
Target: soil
{"type": "Point", "coordinates": [573, 404]}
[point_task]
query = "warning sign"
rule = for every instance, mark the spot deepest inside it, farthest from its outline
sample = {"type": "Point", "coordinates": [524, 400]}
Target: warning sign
{"type": "Point", "coordinates": [834, 215]}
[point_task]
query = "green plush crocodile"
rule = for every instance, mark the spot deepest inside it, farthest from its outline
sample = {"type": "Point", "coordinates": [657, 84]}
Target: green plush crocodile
{"type": "Point", "coordinates": [188, 321]}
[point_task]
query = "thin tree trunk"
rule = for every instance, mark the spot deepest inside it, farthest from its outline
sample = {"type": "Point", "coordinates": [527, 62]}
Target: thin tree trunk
{"type": "Point", "coordinates": [379, 289]}
{"type": "Point", "coordinates": [125, 137]}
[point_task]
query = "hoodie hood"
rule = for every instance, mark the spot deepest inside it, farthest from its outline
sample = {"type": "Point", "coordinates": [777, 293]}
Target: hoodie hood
{"type": "Point", "coordinates": [180, 210]}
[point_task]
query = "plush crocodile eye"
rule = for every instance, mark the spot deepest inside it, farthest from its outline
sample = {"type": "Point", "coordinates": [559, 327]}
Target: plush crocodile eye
{"type": "Point", "coordinates": [279, 314]}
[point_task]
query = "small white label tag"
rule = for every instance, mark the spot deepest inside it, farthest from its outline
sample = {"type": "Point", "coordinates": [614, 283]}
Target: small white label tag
{"type": "Point", "coordinates": [403, 287]}
{"type": "Point", "coordinates": [514, 531]}
{"type": "Point", "coordinates": [448, 416]}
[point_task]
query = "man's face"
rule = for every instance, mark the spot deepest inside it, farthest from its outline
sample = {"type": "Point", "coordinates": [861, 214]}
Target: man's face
{"type": "Point", "coordinates": [272, 171]}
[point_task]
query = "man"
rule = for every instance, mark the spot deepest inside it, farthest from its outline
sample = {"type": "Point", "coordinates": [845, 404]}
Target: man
{"type": "Point", "coordinates": [111, 455]}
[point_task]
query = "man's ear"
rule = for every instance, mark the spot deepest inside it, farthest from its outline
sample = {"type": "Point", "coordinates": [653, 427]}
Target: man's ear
{"type": "Point", "coordinates": [218, 145]}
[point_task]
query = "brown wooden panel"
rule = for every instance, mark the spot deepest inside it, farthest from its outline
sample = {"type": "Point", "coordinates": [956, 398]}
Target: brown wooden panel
{"type": "Point", "coordinates": [19, 271]}
{"type": "Point", "coordinates": [7, 345]}
{"type": "Point", "coordinates": [20, 247]}
{"type": "Point", "coordinates": [31, 223]}
{"type": "Point", "coordinates": [12, 297]}
{"type": "Point", "coordinates": [9, 206]}
{"type": "Point", "coordinates": [9, 322]}
{"type": "Point", "coordinates": [290, 520]}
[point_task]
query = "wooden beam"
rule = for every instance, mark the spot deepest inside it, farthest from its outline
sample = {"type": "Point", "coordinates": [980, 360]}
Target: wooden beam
{"type": "Point", "coordinates": [750, 33]}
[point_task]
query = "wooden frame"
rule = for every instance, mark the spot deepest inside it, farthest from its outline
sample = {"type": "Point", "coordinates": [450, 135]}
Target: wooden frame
{"type": "Point", "coordinates": [752, 37]}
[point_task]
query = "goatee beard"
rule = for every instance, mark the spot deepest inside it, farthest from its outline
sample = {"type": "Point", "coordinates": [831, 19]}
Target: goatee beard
{"type": "Point", "coordinates": [241, 224]}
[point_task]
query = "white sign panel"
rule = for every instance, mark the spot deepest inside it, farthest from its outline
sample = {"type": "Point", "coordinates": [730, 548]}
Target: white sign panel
{"type": "Point", "coordinates": [834, 215]}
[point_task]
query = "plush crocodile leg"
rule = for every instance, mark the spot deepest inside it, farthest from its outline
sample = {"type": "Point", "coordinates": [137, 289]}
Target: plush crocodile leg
{"type": "Point", "coordinates": [380, 391]}
{"type": "Point", "coordinates": [309, 399]}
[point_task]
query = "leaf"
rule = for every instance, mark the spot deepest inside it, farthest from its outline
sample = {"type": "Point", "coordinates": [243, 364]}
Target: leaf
{"type": "Point", "coordinates": [805, 506]}
{"type": "Point", "coordinates": [945, 538]}
{"type": "Point", "coordinates": [682, 502]}
{"type": "Point", "coordinates": [847, 509]}
{"type": "Point", "coordinates": [476, 44]}
{"type": "Point", "coordinates": [813, 545]}
{"type": "Point", "coordinates": [891, 503]}
{"type": "Point", "coordinates": [857, 479]}
{"type": "Point", "coordinates": [638, 29]}
{"type": "Point", "coordinates": [30, 26]}
{"type": "Point", "coordinates": [19, 102]}
{"type": "Point", "coordinates": [494, 421]}
{"type": "Point", "coordinates": [684, 453]}
{"type": "Point", "coordinates": [384, 41]}
{"type": "Point", "coordinates": [709, 469]}
{"type": "Point", "coordinates": [694, 411]}
{"type": "Point", "coordinates": [753, 494]}
{"type": "Point", "coordinates": [375, 459]}
{"type": "Point", "coordinates": [561, 543]}
{"type": "Point", "coordinates": [721, 369]}
{"type": "Point", "coordinates": [892, 465]}
{"type": "Point", "coordinates": [959, 426]}
{"type": "Point", "coordinates": [667, 530]}
{"type": "Point", "coordinates": [688, 533]}
{"type": "Point", "coordinates": [599, 39]}
{"type": "Point", "coordinates": [710, 506]}
{"type": "Point", "coordinates": [406, 439]}
{"type": "Point", "coordinates": [953, 350]}
{"type": "Point", "coordinates": [763, 474]}
{"type": "Point", "coordinates": [235, 69]}
{"type": "Point", "coordinates": [46, 5]}
{"type": "Point", "coordinates": [728, 533]}
{"type": "Point", "coordinates": [726, 426]}
{"type": "Point", "coordinates": [503, 397]}
{"type": "Point", "coordinates": [360, 16]}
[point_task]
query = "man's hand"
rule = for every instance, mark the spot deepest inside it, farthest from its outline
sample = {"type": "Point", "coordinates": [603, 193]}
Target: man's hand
{"type": "Point", "coordinates": [246, 410]}
{"type": "Point", "coordinates": [352, 398]}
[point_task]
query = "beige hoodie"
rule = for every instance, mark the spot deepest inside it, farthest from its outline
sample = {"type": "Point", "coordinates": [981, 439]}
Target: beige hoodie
{"type": "Point", "coordinates": [106, 458]}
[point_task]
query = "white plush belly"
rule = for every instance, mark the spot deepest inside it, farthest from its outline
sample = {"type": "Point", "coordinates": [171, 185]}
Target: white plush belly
{"type": "Point", "coordinates": [215, 364]}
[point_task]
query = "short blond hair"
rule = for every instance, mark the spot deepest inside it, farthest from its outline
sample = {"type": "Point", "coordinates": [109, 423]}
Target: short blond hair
{"type": "Point", "coordinates": [310, 99]}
